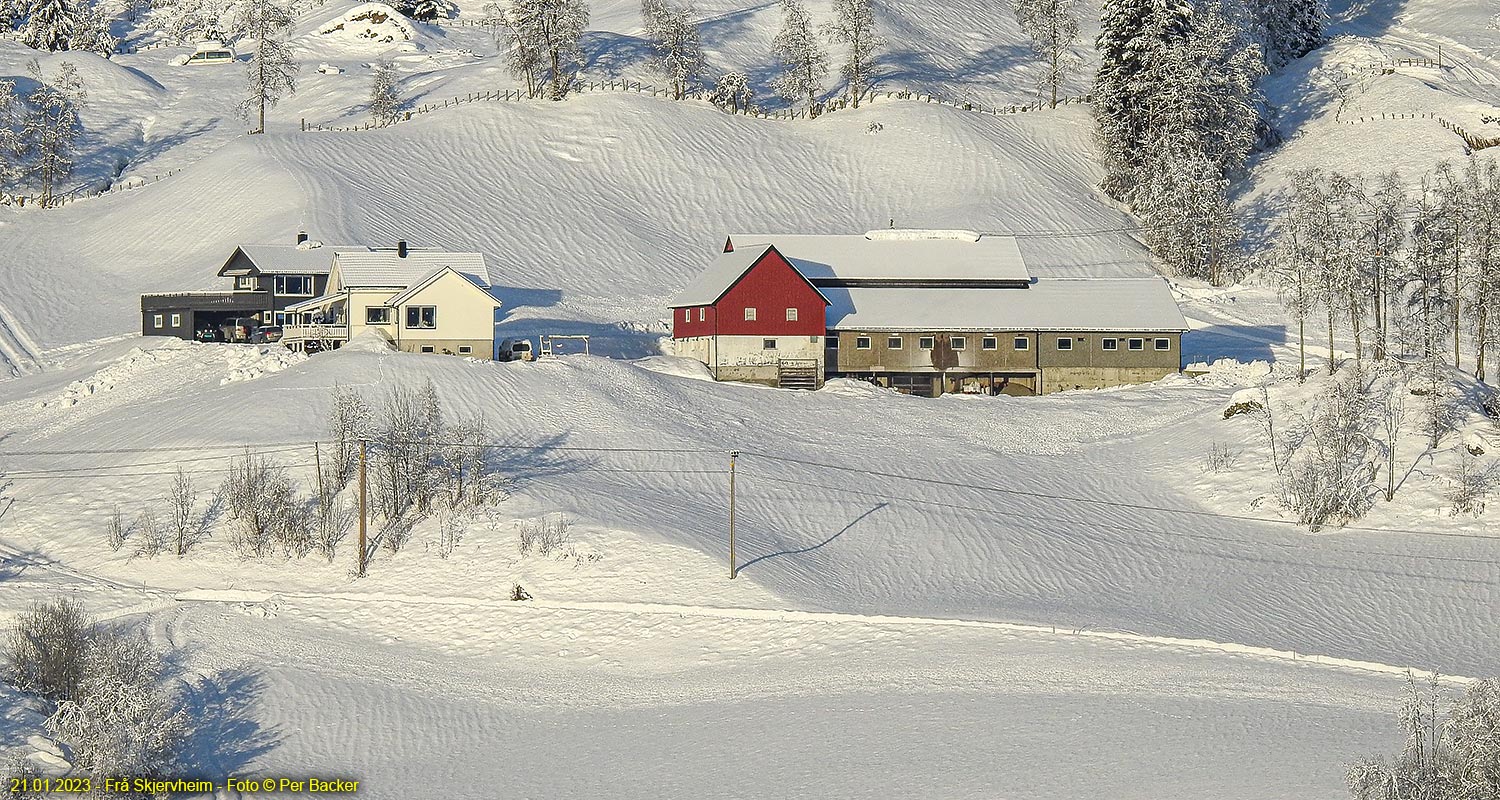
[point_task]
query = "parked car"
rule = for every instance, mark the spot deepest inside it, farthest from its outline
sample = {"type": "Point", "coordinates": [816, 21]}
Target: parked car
{"type": "Point", "coordinates": [515, 350]}
{"type": "Point", "coordinates": [268, 334]}
{"type": "Point", "coordinates": [207, 53]}
{"type": "Point", "coordinates": [238, 329]}
{"type": "Point", "coordinates": [208, 335]}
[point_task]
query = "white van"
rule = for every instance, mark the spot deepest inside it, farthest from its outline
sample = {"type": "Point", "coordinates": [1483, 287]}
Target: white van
{"type": "Point", "coordinates": [515, 350]}
{"type": "Point", "coordinates": [210, 53]}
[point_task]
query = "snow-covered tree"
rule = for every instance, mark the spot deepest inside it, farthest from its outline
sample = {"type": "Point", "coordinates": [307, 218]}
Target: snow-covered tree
{"type": "Point", "coordinates": [546, 43]}
{"type": "Point", "coordinates": [676, 54]}
{"type": "Point", "coordinates": [12, 122]}
{"type": "Point", "coordinates": [1330, 473]}
{"type": "Point", "coordinates": [854, 27]}
{"type": "Point", "coordinates": [350, 421]}
{"type": "Point", "coordinates": [62, 25]}
{"type": "Point", "coordinates": [385, 97]}
{"type": "Point", "coordinates": [45, 648]}
{"type": "Point", "coordinates": [804, 62]}
{"type": "Point", "coordinates": [1457, 758]}
{"type": "Point", "coordinates": [1289, 29]}
{"type": "Point", "coordinates": [732, 90]}
{"type": "Point", "coordinates": [426, 10]}
{"type": "Point", "coordinates": [1131, 32]}
{"type": "Point", "coordinates": [1052, 26]}
{"type": "Point", "coordinates": [272, 71]}
{"type": "Point", "coordinates": [50, 133]}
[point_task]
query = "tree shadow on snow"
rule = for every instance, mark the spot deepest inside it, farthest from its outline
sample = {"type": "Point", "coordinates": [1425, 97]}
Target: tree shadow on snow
{"type": "Point", "coordinates": [802, 550]}
{"type": "Point", "coordinates": [224, 736]}
{"type": "Point", "coordinates": [1239, 342]}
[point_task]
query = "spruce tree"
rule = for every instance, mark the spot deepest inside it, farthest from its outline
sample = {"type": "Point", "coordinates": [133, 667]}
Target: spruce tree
{"type": "Point", "coordinates": [50, 25]}
{"type": "Point", "coordinates": [1131, 32]}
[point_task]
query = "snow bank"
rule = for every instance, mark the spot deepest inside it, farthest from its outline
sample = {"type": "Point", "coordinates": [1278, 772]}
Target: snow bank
{"type": "Point", "coordinates": [915, 235]}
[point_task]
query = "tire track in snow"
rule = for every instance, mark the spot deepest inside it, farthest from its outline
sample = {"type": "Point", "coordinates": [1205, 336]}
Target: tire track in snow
{"type": "Point", "coordinates": [823, 617]}
{"type": "Point", "coordinates": [17, 348]}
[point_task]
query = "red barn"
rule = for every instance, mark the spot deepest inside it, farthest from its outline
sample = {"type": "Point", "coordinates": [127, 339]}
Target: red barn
{"type": "Point", "coordinates": [753, 316]}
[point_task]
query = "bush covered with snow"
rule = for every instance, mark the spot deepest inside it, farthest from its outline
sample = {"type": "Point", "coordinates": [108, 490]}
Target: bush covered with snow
{"type": "Point", "coordinates": [375, 23]}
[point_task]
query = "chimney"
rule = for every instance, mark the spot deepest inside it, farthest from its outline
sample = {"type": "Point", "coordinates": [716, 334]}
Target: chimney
{"type": "Point", "coordinates": [301, 237]}
{"type": "Point", "coordinates": [401, 249]}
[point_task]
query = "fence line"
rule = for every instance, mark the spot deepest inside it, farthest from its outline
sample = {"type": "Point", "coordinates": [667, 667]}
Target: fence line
{"type": "Point", "coordinates": [1474, 142]}
{"type": "Point", "coordinates": [636, 87]}
{"type": "Point", "coordinates": [61, 199]}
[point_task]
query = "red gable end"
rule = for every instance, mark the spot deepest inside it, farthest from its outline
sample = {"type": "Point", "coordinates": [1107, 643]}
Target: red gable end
{"type": "Point", "coordinates": [771, 286]}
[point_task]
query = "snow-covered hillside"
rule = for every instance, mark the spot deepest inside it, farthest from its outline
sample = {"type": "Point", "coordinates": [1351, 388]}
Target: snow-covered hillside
{"type": "Point", "coordinates": [955, 597]}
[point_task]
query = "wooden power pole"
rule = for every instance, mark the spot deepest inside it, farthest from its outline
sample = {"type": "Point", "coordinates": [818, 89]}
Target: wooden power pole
{"type": "Point", "coordinates": [734, 569]}
{"type": "Point", "coordinates": [362, 508]}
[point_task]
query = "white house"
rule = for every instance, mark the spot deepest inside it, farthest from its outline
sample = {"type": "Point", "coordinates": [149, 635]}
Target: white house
{"type": "Point", "coordinates": [422, 301]}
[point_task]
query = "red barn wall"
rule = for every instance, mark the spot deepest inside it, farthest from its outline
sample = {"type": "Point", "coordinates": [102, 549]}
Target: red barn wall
{"type": "Point", "coordinates": [770, 287]}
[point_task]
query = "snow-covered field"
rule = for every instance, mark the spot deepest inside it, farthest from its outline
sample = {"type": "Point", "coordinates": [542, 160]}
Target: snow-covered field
{"type": "Point", "coordinates": [962, 597]}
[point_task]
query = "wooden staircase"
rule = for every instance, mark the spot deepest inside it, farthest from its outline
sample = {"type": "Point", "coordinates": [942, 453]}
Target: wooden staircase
{"type": "Point", "coordinates": [798, 373]}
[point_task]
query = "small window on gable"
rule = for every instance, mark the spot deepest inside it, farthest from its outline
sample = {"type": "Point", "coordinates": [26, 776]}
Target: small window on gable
{"type": "Point", "coordinates": [1137, 344]}
{"type": "Point", "coordinates": [749, 315]}
{"type": "Point", "coordinates": [893, 342]}
{"type": "Point", "coordinates": [157, 321]}
{"type": "Point", "coordinates": [1163, 344]}
{"type": "Point", "coordinates": [702, 313]}
{"type": "Point", "coordinates": [959, 342]}
{"type": "Point", "coordinates": [768, 344]}
{"type": "Point", "coordinates": [1111, 344]}
{"type": "Point", "coordinates": [926, 342]}
{"type": "Point", "coordinates": [861, 343]}
{"type": "Point", "coordinates": [991, 343]}
{"type": "Point", "coordinates": [1022, 343]}
{"type": "Point", "coordinates": [791, 315]}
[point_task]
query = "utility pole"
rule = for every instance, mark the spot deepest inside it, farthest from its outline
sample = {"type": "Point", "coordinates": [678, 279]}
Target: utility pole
{"type": "Point", "coordinates": [362, 508]}
{"type": "Point", "coordinates": [734, 569]}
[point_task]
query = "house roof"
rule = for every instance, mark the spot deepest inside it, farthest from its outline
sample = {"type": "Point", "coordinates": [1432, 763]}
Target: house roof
{"type": "Point", "coordinates": [1057, 304]}
{"type": "Point", "coordinates": [428, 279]}
{"type": "Point", "coordinates": [285, 258]}
{"type": "Point", "coordinates": [721, 275]}
{"type": "Point", "coordinates": [382, 268]}
{"type": "Point", "coordinates": [905, 255]}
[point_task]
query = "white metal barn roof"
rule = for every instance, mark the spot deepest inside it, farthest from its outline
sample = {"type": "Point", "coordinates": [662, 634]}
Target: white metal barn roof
{"type": "Point", "coordinates": [384, 268]}
{"type": "Point", "coordinates": [913, 255]}
{"type": "Point", "coordinates": [1058, 304]}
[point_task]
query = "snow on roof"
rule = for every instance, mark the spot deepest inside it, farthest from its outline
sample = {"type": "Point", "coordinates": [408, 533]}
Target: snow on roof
{"type": "Point", "coordinates": [898, 255]}
{"type": "Point", "coordinates": [1059, 304]}
{"type": "Point", "coordinates": [712, 283]}
{"type": "Point", "coordinates": [384, 268]}
{"type": "Point", "coordinates": [412, 290]}
{"type": "Point", "coordinates": [291, 258]}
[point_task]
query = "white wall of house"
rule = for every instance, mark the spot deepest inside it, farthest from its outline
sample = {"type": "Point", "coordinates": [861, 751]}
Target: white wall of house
{"type": "Point", "coordinates": [361, 299]}
{"type": "Point", "coordinates": [464, 312]}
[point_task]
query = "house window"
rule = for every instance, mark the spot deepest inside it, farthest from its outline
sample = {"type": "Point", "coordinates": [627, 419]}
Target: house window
{"type": "Point", "coordinates": [749, 315]}
{"type": "Point", "coordinates": [768, 344]}
{"type": "Point", "coordinates": [1111, 344]}
{"type": "Point", "coordinates": [427, 348]}
{"type": "Point", "coordinates": [702, 312]}
{"type": "Point", "coordinates": [377, 315]}
{"type": "Point", "coordinates": [926, 342]}
{"type": "Point", "coordinates": [296, 285]}
{"type": "Point", "coordinates": [464, 350]}
{"type": "Point", "coordinates": [421, 317]}
{"type": "Point", "coordinates": [861, 343]}
{"type": "Point", "coordinates": [991, 343]}
{"type": "Point", "coordinates": [245, 282]}
{"type": "Point", "coordinates": [1022, 343]}
{"type": "Point", "coordinates": [1163, 344]}
{"type": "Point", "coordinates": [267, 317]}
{"type": "Point", "coordinates": [791, 315]}
{"type": "Point", "coordinates": [959, 342]}
{"type": "Point", "coordinates": [280, 318]}
{"type": "Point", "coordinates": [893, 343]}
{"type": "Point", "coordinates": [1065, 343]}
{"type": "Point", "coordinates": [177, 320]}
{"type": "Point", "coordinates": [156, 321]}
{"type": "Point", "coordinates": [1137, 344]}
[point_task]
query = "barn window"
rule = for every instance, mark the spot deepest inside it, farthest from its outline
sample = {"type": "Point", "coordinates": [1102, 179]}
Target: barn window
{"type": "Point", "coordinates": [791, 315]}
{"type": "Point", "coordinates": [377, 315]}
{"type": "Point", "coordinates": [1111, 344]}
{"type": "Point", "coordinates": [959, 342]}
{"type": "Point", "coordinates": [422, 317]}
{"type": "Point", "coordinates": [768, 344]}
{"type": "Point", "coordinates": [1022, 343]}
{"type": "Point", "coordinates": [1137, 344]}
{"type": "Point", "coordinates": [1163, 344]}
{"type": "Point", "coordinates": [926, 342]}
{"type": "Point", "coordinates": [831, 341]}
{"type": "Point", "coordinates": [861, 343]}
{"type": "Point", "coordinates": [156, 321]}
{"type": "Point", "coordinates": [702, 312]}
{"type": "Point", "coordinates": [893, 342]}
{"type": "Point", "coordinates": [177, 320]}
{"type": "Point", "coordinates": [749, 314]}
{"type": "Point", "coordinates": [687, 315]}
{"type": "Point", "coordinates": [991, 343]}
{"type": "Point", "coordinates": [1065, 343]}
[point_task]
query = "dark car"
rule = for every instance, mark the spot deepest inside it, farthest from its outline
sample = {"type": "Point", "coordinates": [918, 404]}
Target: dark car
{"type": "Point", "coordinates": [269, 334]}
{"type": "Point", "coordinates": [208, 335]}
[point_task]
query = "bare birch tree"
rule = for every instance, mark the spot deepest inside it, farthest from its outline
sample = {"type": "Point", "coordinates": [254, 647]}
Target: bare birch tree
{"type": "Point", "coordinates": [272, 71]}
{"type": "Point", "coordinates": [804, 62]}
{"type": "Point", "coordinates": [854, 27]}
{"type": "Point", "coordinates": [1052, 26]}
